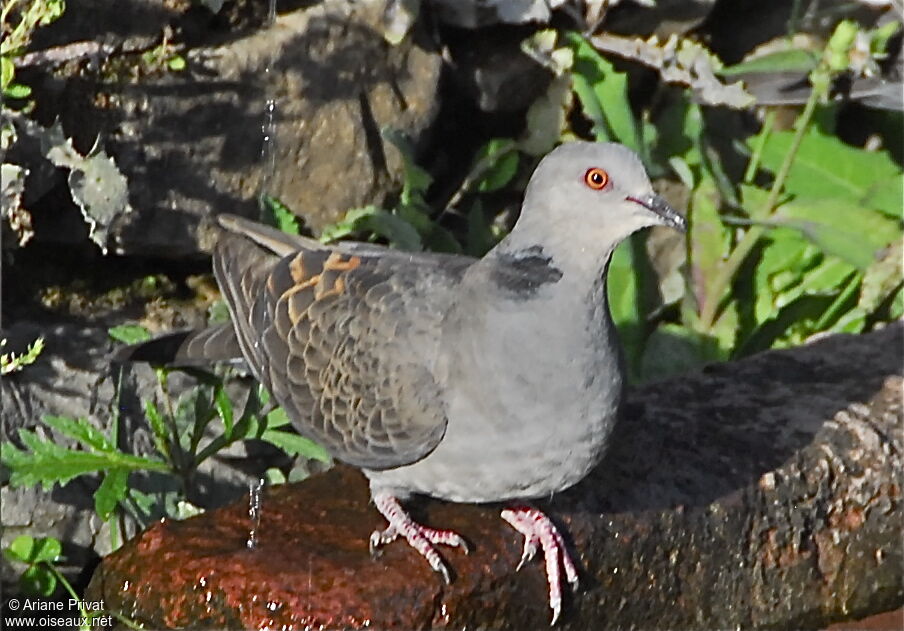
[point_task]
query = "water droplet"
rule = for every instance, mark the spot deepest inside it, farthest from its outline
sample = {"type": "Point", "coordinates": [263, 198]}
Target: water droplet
{"type": "Point", "coordinates": [254, 511]}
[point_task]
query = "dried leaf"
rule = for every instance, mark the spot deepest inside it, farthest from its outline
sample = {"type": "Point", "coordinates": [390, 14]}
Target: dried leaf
{"type": "Point", "coordinates": [679, 61]}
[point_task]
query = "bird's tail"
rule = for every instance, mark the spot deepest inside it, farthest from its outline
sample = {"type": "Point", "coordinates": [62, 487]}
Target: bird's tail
{"type": "Point", "coordinates": [185, 348]}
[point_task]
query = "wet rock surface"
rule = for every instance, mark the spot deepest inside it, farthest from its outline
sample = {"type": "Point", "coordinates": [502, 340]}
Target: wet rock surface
{"type": "Point", "coordinates": [772, 483]}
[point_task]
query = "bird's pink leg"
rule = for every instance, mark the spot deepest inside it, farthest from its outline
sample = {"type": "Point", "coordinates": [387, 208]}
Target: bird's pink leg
{"type": "Point", "coordinates": [540, 532]}
{"type": "Point", "coordinates": [419, 537]}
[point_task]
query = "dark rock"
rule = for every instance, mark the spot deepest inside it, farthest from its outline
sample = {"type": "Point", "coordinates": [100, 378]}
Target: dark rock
{"type": "Point", "coordinates": [191, 143]}
{"type": "Point", "coordinates": [760, 493]}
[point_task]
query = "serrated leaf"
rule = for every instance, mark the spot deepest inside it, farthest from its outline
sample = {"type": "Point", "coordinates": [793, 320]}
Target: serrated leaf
{"type": "Point", "coordinates": [80, 430]}
{"type": "Point", "coordinates": [295, 445]}
{"type": "Point", "coordinates": [158, 426]}
{"type": "Point", "coordinates": [129, 333]}
{"type": "Point", "coordinates": [47, 463]}
{"type": "Point", "coordinates": [110, 493]}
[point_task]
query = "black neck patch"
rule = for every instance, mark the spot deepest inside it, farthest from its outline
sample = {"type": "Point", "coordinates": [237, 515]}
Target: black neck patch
{"type": "Point", "coordinates": [522, 272]}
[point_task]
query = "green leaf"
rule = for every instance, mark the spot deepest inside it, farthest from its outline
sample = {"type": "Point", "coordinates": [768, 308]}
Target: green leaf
{"type": "Point", "coordinates": [882, 278]}
{"type": "Point", "coordinates": [277, 418]}
{"type": "Point", "coordinates": [501, 156]}
{"type": "Point", "coordinates": [280, 215]}
{"type": "Point", "coordinates": [158, 426]}
{"type": "Point", "coordinates": [16, 91]}
{"type": "Point", "coordinates": [480, 237]}
{"type": "Point", "coordinates": [603, 94]}
{"type": "Point", "coordinates": [784, 258]}
{"type": "Point", "coordinates": [224, 409]}
{"type": "Point", "coordinates": [295, 445]}
{"type": "Point", "coordinates": [670, 350]}
{"type": "Point", "coordinates": [20, 549]}
{"type": "Point", "coordinates": [839, 228]}
{"type": "Point", "coordinates": [7, 72]}
{"type": "Point", "coordinates": [680, 127]}
{"type": "Point", "coordinates": [397, 231]}
{"type": "Point", "coordinates": [825, 167]}
{"type": "Point", "coordinates": [707, 241]}
{"type": "Point", "coordinates": [176, 63]}
{"type": "Point", "coordinates": [625, 304]}
{"type": "Point", "coordinates": [46, 463]}
{"type": "Point", "coordinates": [110, 493]}
{"type": "Point", "coordinates": [129, 333]}
{"type": "Point", "coordinates": [416, 180]}
{"type": "Point", "coordinates": [794, 60]}
{"type": "Point", "coordinates": [80, 430]}
{"type": "Point", "coordinates": [886, 196]}
{"type": "Point", "coordinates": [39, 581]}
{"type": "Point", "coordinates": [28, 549]}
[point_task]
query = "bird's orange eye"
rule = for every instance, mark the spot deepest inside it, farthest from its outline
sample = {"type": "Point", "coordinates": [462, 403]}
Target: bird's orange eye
{"type": "Point", "coordinates": [596, 178]}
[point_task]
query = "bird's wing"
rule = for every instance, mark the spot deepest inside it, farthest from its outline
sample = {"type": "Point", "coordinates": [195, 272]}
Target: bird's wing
{"type": "Point", "coordinates": [343, 341]}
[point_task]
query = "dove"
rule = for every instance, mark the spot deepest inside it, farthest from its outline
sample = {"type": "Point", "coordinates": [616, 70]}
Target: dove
{"type": "Point", "coordinates": [490, 380]}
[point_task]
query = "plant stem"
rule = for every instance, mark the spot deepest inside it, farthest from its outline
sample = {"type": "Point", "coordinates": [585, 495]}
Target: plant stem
{"type": "Point", "coordinates": [62, 580]}
{"type": "Point", "coordinates": [759, 143]}
{"type": "Point", "coordinates": [725, 274]}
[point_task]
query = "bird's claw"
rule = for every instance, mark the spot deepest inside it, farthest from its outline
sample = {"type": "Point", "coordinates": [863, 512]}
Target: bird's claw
{"type": "Point", "coordinates": [419, 537]}
{"type": "Point", "coordinates": [539, 532]}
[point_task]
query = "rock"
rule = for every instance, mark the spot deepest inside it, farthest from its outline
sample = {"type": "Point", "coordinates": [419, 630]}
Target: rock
{"type": "Point", "coordinates": [759, 493]}
{"type": "Point", "coordinates": [191, 143]}
{"type": "Point", "coordinates": [73, 377]}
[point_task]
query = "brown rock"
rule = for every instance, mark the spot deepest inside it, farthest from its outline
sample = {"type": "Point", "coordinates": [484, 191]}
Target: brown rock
{"type": "Point", "coordinates": [760, 493]}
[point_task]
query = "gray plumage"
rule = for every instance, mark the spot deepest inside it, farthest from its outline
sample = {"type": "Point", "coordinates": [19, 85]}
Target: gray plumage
{"type": "Point", "coordinates": [464, 379]}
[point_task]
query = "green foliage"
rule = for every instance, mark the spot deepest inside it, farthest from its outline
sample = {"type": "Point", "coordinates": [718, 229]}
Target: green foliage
{"type": "Point", "coordinates": [197, 425]}
{"type": "Point", "coordinates": [816, 249]}
{"type": "Point", "coordinates": [19, 20]}
{"type": "Point", "coordinates": [279, 215]}
{"type": "Point", "coordinates": [41, 576]}
{"type": "Point", "coordinates": [39, 554]}
{"type": "Point", "coordinates": [13, 362]}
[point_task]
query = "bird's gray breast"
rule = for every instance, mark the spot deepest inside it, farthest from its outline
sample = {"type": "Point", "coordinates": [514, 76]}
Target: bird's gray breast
{"type": "Point", "coordinates": [531, 387]}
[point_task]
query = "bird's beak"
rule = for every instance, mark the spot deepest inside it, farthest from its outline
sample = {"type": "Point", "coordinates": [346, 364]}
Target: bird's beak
{"type": "Point", "coordinates": [658, 206]}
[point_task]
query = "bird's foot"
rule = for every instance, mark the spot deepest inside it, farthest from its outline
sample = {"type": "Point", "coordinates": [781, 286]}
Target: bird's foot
{"type": "Point", "coordinates": [419, 537]}
{"type": "Point", "coordinates": [540, 532]}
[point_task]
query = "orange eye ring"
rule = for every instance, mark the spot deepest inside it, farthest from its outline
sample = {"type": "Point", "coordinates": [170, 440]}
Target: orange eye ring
{"type": "Point", "coordinates": [596, 178]}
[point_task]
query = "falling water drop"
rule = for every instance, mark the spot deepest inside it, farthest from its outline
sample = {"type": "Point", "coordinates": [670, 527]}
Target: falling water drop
{"type": "Point", "coordinates": [255, 490]}
{"type": "Point", "coordinates": [268, 126]}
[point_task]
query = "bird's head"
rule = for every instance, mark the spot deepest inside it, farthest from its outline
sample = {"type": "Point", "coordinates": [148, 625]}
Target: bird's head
{"type": "Point", "coordinates": [598, 193]}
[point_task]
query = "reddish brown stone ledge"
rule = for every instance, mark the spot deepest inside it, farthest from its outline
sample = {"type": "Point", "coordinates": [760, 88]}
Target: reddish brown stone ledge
{"type": "Point", "coordinates": [764, 493]}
